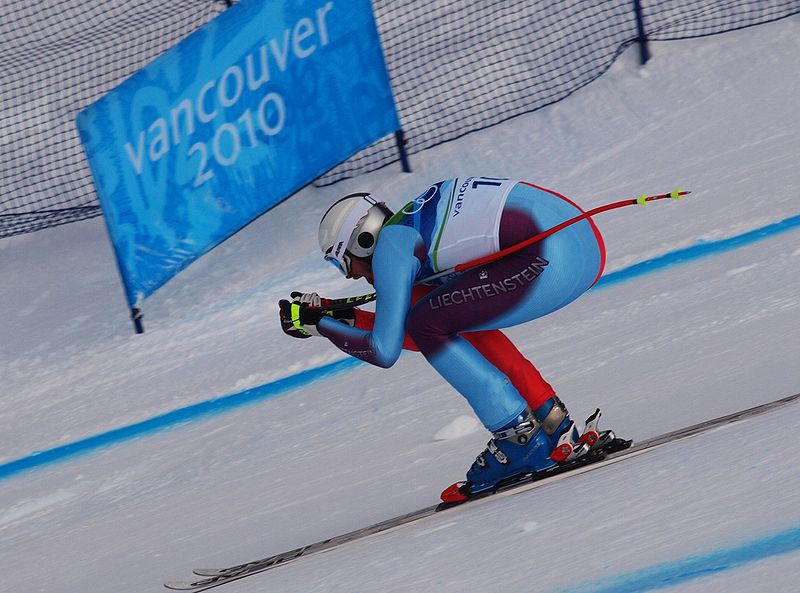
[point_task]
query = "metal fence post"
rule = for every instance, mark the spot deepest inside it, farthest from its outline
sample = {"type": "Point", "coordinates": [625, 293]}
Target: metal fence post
{"type": "Point", "coordinates": [644, 52]}
{"type": "Point", "coordinates": [400, 138]}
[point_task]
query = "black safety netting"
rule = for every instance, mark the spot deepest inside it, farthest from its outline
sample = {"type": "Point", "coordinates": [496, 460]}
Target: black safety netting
{"type": "Point", "coordinates": [455, 67]}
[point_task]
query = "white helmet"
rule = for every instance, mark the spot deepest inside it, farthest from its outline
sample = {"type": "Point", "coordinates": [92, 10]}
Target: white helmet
{"type": "Point", "coordinates": [350, 228]}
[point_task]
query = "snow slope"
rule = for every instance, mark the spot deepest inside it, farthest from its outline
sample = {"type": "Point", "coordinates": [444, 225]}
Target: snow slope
{"type": "Point", "coordinates": [690, 341]}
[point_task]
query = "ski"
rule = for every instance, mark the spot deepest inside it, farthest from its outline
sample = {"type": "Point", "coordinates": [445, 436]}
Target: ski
{"type": "Point", "coordinates": [215, 577]}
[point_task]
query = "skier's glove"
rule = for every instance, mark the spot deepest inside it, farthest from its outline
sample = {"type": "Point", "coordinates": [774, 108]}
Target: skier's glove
{"type": "Point", "coordinates": [299, 321]}
{"type": "Point", "coordinates": [299, 317]}
{"type": "Point", "coordinates": [310, 299]}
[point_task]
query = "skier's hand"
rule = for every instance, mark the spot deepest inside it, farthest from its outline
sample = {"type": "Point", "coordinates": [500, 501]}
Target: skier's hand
{"type": "Point", "coordinates": [297, 320]}
{"type": "Point", "coordinates": [310, 299]}
{"type": "Point", "coordinates": [300, 316]}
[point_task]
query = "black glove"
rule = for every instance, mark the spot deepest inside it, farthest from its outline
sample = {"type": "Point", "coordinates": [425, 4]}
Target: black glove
{"type": "Point", "coordinates": [299, 321]}
{"type": "Point", "coordinates": [300, 316]}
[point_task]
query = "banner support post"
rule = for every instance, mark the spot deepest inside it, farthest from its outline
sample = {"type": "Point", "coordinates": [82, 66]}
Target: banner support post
{"type": "Point", "coordinates": [136, 317]}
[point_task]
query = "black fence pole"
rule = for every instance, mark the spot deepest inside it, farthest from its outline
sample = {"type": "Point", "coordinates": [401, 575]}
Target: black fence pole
{"type": "Point", "coordinates": [401, 148]}
{"type": "Point", "coordinates": [644, 52]}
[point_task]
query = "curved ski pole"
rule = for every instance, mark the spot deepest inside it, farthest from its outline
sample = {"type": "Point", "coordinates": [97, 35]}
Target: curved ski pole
{"type": "Point", "coordinates": [676, 194]}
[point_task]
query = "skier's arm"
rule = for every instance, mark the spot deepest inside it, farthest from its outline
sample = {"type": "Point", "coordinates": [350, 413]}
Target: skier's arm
{"type": "Point", "coordinates": [366, 319]}
{"type": "Point", "coordinates": [395, 267]}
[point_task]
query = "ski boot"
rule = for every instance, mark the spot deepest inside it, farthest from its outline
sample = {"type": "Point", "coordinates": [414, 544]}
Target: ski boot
{"type": "Point", "coordinates": [542, 442]}
{"type": "Point", "coordinates": [535, 441]}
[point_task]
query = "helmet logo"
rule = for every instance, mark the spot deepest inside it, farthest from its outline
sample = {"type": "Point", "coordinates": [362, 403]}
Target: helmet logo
{"type": "Point", "coordinates": [338, 251]}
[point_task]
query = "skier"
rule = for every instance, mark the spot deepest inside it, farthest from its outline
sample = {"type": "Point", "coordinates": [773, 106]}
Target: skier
{"type": "Point", "coordinates": [455, 320]}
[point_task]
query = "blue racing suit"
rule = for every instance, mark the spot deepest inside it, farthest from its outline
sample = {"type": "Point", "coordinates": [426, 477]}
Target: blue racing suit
{"type": "Point", "coordinates": [455, 221]}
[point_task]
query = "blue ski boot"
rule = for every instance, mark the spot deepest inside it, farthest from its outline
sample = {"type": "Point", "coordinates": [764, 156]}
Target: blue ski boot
{"type": "Point", "coordinates": [534, 442]}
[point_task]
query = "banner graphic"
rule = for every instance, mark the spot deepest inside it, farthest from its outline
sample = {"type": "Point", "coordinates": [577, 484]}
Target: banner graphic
{"type": "Point", "coordinates": [228, 123]}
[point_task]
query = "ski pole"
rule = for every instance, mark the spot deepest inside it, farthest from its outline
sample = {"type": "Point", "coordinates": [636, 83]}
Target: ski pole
{"type": "Point", "coordinates": [677, 194]}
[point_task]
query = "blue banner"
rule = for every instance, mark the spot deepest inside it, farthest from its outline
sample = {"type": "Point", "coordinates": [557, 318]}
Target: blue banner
{"type": "Point", "coordinates": [228, 123]}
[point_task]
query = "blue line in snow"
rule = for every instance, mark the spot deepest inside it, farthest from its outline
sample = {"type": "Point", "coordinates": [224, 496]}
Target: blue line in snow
{"type": "Point", "coordinates": [175, 418]}
{"type": "Point", "coordinates": [671, 574]}
{"type": "Point", "coordinates": [700, 250]}
{"type": "Point", "coordinates": [228, 402]}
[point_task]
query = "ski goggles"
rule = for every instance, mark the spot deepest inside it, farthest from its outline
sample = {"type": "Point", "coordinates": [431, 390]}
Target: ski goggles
{"type": "Point", "coordinates": [342, 263]}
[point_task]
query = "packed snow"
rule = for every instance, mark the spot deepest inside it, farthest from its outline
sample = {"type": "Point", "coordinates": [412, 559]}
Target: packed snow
{"type": "Point", "coordinates": [691, 341]}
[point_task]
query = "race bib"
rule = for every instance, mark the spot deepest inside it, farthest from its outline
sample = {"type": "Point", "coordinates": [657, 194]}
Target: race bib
{"type": "Point", "coordinates": [471, 227]}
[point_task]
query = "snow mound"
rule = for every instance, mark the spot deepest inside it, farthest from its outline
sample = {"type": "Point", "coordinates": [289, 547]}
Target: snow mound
{"type": "Point", "coordinates": [460, 427]}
